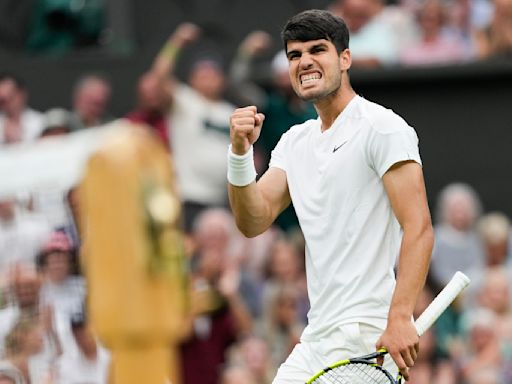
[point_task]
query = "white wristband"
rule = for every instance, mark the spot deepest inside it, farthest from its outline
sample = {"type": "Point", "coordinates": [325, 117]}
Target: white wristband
{"type": "Point", "coordinates": [241, 170]}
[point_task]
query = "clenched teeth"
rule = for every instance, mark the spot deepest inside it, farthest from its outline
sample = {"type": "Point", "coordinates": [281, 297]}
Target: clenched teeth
{"type": "Point", "coordinates": [309, 77]}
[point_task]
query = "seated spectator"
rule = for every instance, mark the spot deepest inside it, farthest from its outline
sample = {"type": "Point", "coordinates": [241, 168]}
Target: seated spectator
{"type": "Point", "coordinates": [61, 289]}
{"type": "Point", "coordinates": [282, 325]}
{"type": "Point", "coordinates": [90, 363]}
{"type": "Point", "coordinates": [18, 122]}
{"type": "Point", "coordinates": [372, 40]}
{"type": "Point", "coordinates": [23, 348]}
{"type": "Point", "coordinates": [483, 350]}
{"type": "Point", "coordinates": [494, 293]}
{"type": "Point", "coordinates": [219, 313]}
{"type": "Point", "coordinates": [496, 39]}
{"type": "Point", "coordinates": [285, 267]}
{"type": "Point", "coordinates": [252, 353]}
{"type": "Point", "coordinates": [91, 96]}
{"type": "Point", "coordinates": [434, 46]}
{"type": "Point", "coordinates": [494, 230]}
{"type": "Point", "coordinates": [23, 299]}
{"type": "Point", "coordinates": [457, 244]}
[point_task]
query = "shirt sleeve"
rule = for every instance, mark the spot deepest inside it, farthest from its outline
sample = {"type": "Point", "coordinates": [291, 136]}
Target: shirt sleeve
{"type": "Point", "coordinates": [278, 157]}
{"type": "Point", "coordinates": [393, 146]}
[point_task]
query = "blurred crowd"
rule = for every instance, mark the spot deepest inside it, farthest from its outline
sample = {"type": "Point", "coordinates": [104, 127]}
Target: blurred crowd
{"type": "Point", "coordinates": [249, 295]}
{"type": "Point", "coordinates": [383, 32]}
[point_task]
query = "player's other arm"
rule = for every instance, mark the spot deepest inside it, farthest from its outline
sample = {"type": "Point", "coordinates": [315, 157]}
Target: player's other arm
{"type": "Point", "coordinates": [405, 188]}
{"type": "Point", "coordinates": [254, 205]}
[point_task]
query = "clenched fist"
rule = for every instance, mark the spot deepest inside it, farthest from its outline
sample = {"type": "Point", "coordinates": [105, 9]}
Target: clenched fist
{"type": "Point", "coordinates": [245, 126]}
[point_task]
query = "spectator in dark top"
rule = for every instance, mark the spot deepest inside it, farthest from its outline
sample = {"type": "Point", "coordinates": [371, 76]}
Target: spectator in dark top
{"type": "Point", "coordinates": [154, 101]}
{"type": "Point", "coordinates": [219, 313]}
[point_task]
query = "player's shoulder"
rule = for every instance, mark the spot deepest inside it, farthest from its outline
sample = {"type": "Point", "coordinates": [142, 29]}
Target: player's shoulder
{"type": "Point", "coordinates": [297, 131]}
{"type": "Point", "coordinates": [381, 119]}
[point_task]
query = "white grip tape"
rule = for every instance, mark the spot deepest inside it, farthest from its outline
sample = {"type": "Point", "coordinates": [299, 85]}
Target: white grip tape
{"type": "Point", "coordinates": [456, 285]}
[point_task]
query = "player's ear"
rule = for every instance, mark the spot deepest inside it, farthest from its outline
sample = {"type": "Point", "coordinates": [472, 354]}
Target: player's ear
{"type": "Point", "coordinates": [345, 59]}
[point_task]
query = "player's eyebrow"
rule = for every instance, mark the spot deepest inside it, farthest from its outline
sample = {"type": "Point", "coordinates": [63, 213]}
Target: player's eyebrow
{"type": "Point", "coordinates": [313, 48]}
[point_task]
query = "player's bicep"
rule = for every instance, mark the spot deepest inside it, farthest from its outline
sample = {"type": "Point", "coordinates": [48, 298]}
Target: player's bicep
{"type": "Point", "coordinates": [274, 189]}
{"type": "Point", "coordinates": [405, 187]}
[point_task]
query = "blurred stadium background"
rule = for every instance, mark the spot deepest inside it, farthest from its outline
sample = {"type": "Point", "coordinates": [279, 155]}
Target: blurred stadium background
{"type": "Point", "coordinates": [69, 66]}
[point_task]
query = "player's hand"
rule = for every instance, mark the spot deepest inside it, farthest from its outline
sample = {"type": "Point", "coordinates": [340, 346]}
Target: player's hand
{"type": "Point", "coordinates": [401, 340]}
{"type": "Point", "coordinates": [245, 129]}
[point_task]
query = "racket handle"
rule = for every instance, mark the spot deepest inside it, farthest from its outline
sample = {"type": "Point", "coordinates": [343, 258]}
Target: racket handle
{"type": "Point", "coordinates": [458, 282]}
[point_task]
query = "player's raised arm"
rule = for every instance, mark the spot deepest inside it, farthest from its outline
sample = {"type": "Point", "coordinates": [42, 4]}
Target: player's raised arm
{"type": "Point", "coordinates": [254, 205]}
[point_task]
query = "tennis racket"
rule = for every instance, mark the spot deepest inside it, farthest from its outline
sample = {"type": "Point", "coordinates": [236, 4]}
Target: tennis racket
{"type": "Point", "coordinates": [364, 369]}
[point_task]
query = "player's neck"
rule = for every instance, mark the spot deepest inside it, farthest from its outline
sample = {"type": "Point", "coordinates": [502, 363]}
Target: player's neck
{"type": "Point", "coordinates": [330, 108]}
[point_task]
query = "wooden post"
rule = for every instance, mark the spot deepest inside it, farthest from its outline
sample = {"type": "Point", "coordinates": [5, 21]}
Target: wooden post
{"type": "Point", "coordinates": [133, 256]}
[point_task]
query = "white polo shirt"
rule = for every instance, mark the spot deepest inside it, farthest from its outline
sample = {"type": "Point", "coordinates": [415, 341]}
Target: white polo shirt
{"type": "Point", "coordinates": [352, 235]}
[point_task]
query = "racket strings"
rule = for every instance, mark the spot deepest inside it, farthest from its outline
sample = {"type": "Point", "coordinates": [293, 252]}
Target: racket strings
{"type": "Point", "coordinates": [354, 373]}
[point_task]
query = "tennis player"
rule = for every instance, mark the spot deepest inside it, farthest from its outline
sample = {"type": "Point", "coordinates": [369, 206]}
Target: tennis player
{"type": "Point", "coordinates": [355, 178]}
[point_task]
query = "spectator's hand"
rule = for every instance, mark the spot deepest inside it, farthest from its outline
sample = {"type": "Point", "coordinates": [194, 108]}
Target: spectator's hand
{"type": "Point", "coordinates": [229, 281]}
{"type": "Point", "coordinates": [184, 34]}
{"type": "Point", "coordinates": [256, 43]}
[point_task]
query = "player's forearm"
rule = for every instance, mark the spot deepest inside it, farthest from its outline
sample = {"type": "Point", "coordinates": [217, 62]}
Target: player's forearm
{"type": "Point", "coordinates": [417, 243]}
{"type": "Point", "coordinates": [252, 212]}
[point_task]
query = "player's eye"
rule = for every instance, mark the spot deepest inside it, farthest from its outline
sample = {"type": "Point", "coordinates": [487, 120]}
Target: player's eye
{"type": "Point", "coordinates": [293, 55]}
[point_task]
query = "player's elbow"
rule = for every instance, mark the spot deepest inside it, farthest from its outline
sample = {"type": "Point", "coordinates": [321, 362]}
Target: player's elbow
{"type": "Point", "coordinates": [248, 230]}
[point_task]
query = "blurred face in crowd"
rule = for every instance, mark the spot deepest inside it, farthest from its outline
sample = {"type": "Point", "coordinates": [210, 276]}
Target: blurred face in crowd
{"type": "Point", "coordinates": [284, 262]}
{"type": "Point", "coordinates": [91, 100]}
{"type": "Point", "coordinates": [26, 287]}
{"type": "Point", "coordinates": [357, 13]}
{"type": "Point", "coordinates": [255, 355]}
{"type": "Point", "coordinates": [495, 293]}
{"type": "Point", "coordinates": [481, 336]}
{"type": "Point", "coordinates": [213, 231]}
{"type": "Point", "coordinates": [153, 93]}
{"type": "Point", "coordinates": [237, 375]}
{"type": "Point", "coordinates": [431, 17]}
{"type": "Point", "coordinates": [208, 79]}
{"type": "Point", "coordinates": [460, 211]}
{"type": "Point", "coordinates": [57, 266]}
{"type": "Point", "coordinates": [7, 210]}
{"type": "Point", "coordinates": [12, 99]}
{"type": "Point", "coordinates": [286, 309]}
